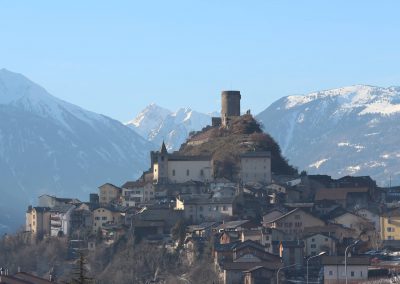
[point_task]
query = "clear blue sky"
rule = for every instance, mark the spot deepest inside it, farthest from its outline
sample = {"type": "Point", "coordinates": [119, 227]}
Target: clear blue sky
{"type": "Point", "coordinates": [116, 57]}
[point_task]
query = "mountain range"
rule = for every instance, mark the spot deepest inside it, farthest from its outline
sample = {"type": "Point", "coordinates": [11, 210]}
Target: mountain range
{"type": "Point", "coordinates": [50, 146]}
{"type": "Point", "coordinates": [158, 124]}
{"type": "Point", "coordinates": [344, 131]}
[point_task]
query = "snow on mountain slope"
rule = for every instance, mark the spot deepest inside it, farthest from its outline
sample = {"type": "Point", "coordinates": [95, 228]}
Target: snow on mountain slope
{"type": "Point", "coordinates": [351, 130]}
{"type": "Point", "coordinates": [50, 146]}
{"type": "Point", "coordinates": [157, 124]}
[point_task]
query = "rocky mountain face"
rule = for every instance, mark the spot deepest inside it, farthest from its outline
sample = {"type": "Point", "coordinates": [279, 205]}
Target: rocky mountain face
{"type": "Point", "coordinates": [347, 131]}
{"type": "Point", "coordinates": [50, 146]}
{"type": "Point", "coordinates": [157, 124]}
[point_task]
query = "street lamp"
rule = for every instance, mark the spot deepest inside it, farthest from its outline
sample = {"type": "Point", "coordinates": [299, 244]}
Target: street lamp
{"type": "Point", "coordinates": [313, 256]}
{"type": "Point", "coordinates": [279, 270]}
{"type": "Point", "coordinates": [345, 256]}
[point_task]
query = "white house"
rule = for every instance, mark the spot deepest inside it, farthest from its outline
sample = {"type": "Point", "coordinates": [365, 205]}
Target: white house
{"type": "Point", "coordinates": [60, 220]}
{"type": "Point", "coordinates": [137, 192]}
{"type": "Point", "coordinates": [179, 169]}
{"type": "Point", "coordinates": [334, 269]}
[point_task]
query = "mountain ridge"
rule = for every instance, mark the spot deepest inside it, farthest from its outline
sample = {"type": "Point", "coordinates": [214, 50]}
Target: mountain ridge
{"type": "Point", "coordinates": [50, 146]}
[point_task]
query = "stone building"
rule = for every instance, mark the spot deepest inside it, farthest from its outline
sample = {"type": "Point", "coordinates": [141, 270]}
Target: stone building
{"type": "Point", "coordinates": [173, 168]}
{"type": "Point", "coordinates": [256, 167]}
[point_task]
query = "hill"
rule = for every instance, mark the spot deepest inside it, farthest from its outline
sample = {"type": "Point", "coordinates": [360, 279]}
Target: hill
{"type": "Point", "coordinates": [226, 145]}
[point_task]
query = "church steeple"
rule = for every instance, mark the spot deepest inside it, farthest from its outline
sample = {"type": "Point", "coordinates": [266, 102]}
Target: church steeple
{"type": "Point", "coordinates": [163, 148]}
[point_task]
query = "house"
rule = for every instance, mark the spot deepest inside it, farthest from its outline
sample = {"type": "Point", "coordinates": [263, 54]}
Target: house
{"type": "Point", "coordinates": [198, 209]}
{"type": "Point", "coordinates": [173, 168]}
{"type": "Point", "coordinates": [38, 221]}
{"type": "Point", "coordinates": [81, 218]}
{"type": "Point", "coordinates": [292, 252]}
{"type": "Point", "coordinates": [335, 230]}
{"type": "Point", "coordinates": [204, 229]}
{"type": "Point", "coordinates": [334, 269]}
{"type": "Point", "coordinates": [60, 220]}
{"type": "Point", "coordinates": [390, 225]}
{"type": "Point", "coordinates": [135, 192]}
{"type": "Point", "coordinates": [238, 225]}
{"type": "Point", "coordinates": [243, 256]}
{"type": "Point", "coordinates": [255, 167]}
{"type": "Point", "coordinates": [272, 215]}
{"type": "Point", "coordinates": [262, 236]}
{"type": "Point", "coordinates": [51, 201]}
{"type": "Point", "coordinates": [109, 193]}
{"type": "Point", "coordinates": [319, 242]}
{"type": "Point", "coordinates": [352, 221]}
{"type": "Point", "coordinates": [218, 183]}
{"type": "Point", "coordinates": [294, 222]}
{"type": "Point", "coordinates": [105, 215]}
{"type": "Point", "coordinates": [229, 237]}
{"type": "Point", "coordinates": [372, 215]}
{"type": "Point", "coordinates": [260, 275]}
{"type": "Point", "coordinates": [346, 197]}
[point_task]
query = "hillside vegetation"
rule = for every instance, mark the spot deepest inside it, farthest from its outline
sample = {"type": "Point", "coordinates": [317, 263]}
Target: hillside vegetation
{"type": "Point", "coordinates": [226, 145]}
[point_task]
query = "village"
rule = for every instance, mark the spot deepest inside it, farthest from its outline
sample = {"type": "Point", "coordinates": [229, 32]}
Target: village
{"type": "Point", "coordinates": [263, 227]}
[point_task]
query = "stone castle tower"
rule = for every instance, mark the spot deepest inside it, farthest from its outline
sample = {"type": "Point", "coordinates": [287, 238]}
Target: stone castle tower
{"type": "Point", "coordinates": [230, 105]}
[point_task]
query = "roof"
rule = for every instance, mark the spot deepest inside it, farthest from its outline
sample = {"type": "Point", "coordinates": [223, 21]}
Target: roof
{"type": "Point", "coordinates": [337, 193]}
{"type": "Point", "coordinates": [291, 244]}
{"type": "Point", "coordinates": [23, 278]}
{"type": "Point", "coordinates": [232, 224]}
{"type": "Point", "coordinates": [252, 232]}
{"type": "Point", "coordinates": [112, 185]}
{"type": "Point", "coordinates": [176, 157]}
{"type": "Point", "coordinates": [256, 154]}
{"type": "Point", "coordinates": [291, 212]}
{"type": "Point", "coordinates": [246, 266]}
{"type": "Point", "coordinates": [202, 226]}
{"type": "Point", "coordinates": [133, 184]}
{"type": "Point", "coordinates": [63, 208]}
{"type": "Point", "coordinates": [322, 234]}
{"type": "Point", "coordinates": [339, 260]}
{"type": "Point", "coordinates": [206, 200]}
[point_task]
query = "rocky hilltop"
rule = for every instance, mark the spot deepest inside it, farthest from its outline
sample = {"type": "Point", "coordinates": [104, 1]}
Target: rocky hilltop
{"type": "Point", "coordinates": [226, 145]}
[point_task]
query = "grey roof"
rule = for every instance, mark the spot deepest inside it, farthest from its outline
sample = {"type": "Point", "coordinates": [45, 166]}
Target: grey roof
{"type": "Point", "coordinates": [339, 260]}
{"type": "Point", "coordinates": [63, 208]}
{"type": "Point", "coordinates": [232, 224]}
{"type": "Point", "coordinates": [257, 154]}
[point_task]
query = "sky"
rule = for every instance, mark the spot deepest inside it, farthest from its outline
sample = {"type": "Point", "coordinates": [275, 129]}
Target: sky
{"type": "Point", "coordinates": [117, 57]}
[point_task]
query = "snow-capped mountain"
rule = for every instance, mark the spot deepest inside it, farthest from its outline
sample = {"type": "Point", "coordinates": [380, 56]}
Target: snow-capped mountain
{"type": "Point", "coordinates": [50, 146]}
{"type": "Point", "coordinates": [346, 131]}
{"type": "Point", "coordinates": [157, 124]}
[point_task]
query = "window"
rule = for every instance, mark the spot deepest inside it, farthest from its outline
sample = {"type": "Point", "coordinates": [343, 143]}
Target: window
{"type": "Point", "coordinates": [297, 217]}
{"type": "Point", "coordinates": [173, 172]}
{"type": "Point", "coordinates": [390, 238]}
{"type": "Point", "coordinates": [326, 239]}
{"type": "Point", "coordinates": [162, 158]}
{"type": "Point", "coordinates": [313, 240]}
{"type": "Point", "coordinates": [390, 229]}
{"type": "Point", "coordinates": [330, 272]}
{"type": "Point", "coordinates": [224, 208]}
{"type": "Point", "coordinates": [104, 218]}
{"type": "Point", "coordinates": [201, 208]}
{"type": "Point", "coordinates": [97, 218]}
{"type": "Point", "coordinates": [352, 273]}
{"type": "Point", "coordinates": [201, 172]}
{"type": "Point", "coordinates": [313, 246]}
{"type": "Point", "coordinates": [187, 172]}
